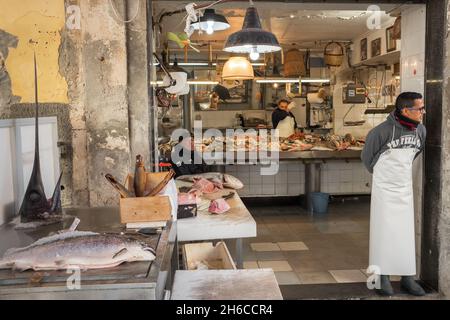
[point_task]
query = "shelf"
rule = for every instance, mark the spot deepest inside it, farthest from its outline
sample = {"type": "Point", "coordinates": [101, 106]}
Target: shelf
{"type": "Point", "coordinates": [385, 59]}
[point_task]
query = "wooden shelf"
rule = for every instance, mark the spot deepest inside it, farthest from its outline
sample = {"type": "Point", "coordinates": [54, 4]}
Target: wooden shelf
{"type": "Point", "coordinates": [385, 59]}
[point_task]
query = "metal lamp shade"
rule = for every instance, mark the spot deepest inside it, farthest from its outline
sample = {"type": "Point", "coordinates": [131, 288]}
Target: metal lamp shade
{"type": "Point", "coordinates": [220, 22]}
{"type": "Point", "coordinates": [237, 68]}
{"type": "Point", "coordinates": [252, 36]}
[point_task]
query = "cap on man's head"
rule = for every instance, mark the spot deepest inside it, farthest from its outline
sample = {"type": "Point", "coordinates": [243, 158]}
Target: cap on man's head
{"type": "Point", "coordinates": [406, 100]}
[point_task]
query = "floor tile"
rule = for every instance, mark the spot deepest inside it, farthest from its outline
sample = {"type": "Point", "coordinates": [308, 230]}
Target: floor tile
{"type": "Point", "coordinates": [307, 265]}
{"type": "Point", "coordinates": [280, 265]}
{"type": "Point", "coordinates": [292, 246]}
{"type": "Point", "coordinates": [251, 265]}
{"type": "Point", "coordinates": [270, 255]}
{"type": "Point", "coordinates": [264, 246]}
{"type": "Point", "coordinates": [348, 276]}
{"type": "Point", "coordinates": [315, 277]}
{"type": "Point", "coordinates": [287, 277]}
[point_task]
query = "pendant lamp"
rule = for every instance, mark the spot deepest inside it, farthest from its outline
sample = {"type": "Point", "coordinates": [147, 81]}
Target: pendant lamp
{"type": "Point", "coordinates": [252, 38]}
{"type": "Point", "coordinates": [210, 22]}
{"type": "Point", "coordinates": [237, 68]}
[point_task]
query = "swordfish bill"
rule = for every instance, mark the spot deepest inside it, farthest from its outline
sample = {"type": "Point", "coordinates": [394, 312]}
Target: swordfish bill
{"type": "Point", "coordinates": [35, 205]}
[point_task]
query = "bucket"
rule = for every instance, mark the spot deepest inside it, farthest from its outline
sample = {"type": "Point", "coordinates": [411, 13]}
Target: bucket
{"type": "Point", "coordinates": [319, 202]}
{"type": "Point", "coordinates": [333, 54]}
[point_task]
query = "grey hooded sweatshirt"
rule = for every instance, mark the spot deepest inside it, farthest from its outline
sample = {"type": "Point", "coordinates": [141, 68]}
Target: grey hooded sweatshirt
{"type": "Point", "coordinates": [380, 139]}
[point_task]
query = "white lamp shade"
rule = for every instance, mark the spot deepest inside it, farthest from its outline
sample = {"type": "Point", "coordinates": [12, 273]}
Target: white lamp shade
{"type": "Point", "coordinates": [237, 68]}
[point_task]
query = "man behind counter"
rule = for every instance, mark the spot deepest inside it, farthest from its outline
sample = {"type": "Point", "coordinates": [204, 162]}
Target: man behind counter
{"type": "Point", "coordinates": [283, 119]}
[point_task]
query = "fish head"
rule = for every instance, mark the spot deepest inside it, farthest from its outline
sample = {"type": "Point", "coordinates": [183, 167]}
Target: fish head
{"type": "Point", "coordinates": [232, 182]}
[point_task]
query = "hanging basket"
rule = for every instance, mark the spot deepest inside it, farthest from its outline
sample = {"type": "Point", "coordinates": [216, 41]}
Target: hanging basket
{"type": "Point", "coordinates": [294, 63]}
{"type": "Point", "coordinates": [333, 54]}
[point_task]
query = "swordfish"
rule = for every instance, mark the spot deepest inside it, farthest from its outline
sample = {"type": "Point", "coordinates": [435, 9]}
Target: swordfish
{"type": "Point", "coordinates": [77, 249]}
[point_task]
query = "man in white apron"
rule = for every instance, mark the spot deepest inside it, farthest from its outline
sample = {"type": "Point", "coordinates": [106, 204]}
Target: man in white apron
{"type": "Point", "coordinates": [389, 152]}
{"type": "Point", "coordinates": [283, 119]}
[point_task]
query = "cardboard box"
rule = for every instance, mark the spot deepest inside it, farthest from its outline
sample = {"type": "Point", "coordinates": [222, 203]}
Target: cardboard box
{"type": "Point", "coordinates": [205, 255]}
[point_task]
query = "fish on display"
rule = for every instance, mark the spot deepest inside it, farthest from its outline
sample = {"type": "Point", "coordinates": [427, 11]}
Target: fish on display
{"type": "Point", "coordinates": [35, 205]}
{"type": "Point", "coordinates": [228, 181]}
{"type": "Point", "coordinates": [80, 249]}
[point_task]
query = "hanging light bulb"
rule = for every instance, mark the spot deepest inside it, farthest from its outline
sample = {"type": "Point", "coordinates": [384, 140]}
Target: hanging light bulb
{"type": "Point", "coordinates": [211, 20]}
{"type": "Point", "coordinates": [210, 27]}
{"type": "Point", "coordinates": [254, 54]}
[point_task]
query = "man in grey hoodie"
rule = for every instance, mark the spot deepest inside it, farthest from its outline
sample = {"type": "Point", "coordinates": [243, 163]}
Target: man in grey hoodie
{"type": "Point", "coordinates": [390, 149]}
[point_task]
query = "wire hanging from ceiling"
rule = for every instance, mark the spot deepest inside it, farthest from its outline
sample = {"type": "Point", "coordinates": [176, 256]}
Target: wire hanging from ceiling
{"type": "Point", "coordinates": [117, 15]}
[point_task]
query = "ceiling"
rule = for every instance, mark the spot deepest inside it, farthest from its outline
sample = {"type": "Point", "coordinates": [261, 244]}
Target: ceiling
{"type": "Point", "coordinates": [303, 25]}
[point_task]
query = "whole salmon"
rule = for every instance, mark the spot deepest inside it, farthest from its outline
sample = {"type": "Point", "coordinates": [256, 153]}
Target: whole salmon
{"type": "Point", "coordinates": [84, 250]}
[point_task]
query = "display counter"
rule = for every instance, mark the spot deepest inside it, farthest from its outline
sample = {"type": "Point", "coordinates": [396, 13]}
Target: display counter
{"type": "Point", "coordinates": [135, 280]}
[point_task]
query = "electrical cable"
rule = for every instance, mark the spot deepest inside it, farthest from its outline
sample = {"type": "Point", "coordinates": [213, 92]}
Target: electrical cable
{"type": "Point", "coordinates": [114, 9]}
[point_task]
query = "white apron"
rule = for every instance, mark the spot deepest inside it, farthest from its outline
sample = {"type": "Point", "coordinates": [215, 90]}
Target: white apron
{"type": "Point", "coordinates": [392, 238]}
{"type": "Point", "coordinates": [286, 127]}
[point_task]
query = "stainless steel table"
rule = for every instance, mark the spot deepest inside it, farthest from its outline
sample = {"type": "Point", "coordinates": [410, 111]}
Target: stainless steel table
{"type": "Point", "coordinates": [136, 280]}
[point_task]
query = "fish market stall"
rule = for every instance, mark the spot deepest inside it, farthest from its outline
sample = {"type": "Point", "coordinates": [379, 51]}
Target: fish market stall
{"type": "Point", "coordinates": [146, 280]}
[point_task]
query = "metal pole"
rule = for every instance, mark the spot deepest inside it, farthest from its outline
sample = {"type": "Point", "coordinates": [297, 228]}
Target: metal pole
{"type": "Point", "coordinates": [153, 121]}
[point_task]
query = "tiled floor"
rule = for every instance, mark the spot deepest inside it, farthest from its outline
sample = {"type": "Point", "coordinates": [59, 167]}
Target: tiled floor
{"type": "Point", "coordinates": [311, 249]}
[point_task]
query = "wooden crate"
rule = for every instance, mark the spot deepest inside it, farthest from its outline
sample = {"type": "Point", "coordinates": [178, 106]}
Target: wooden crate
{"type": "Point", "coordinates": [214, 257]}
{"type": "Point", "coordinates": [145, 209]}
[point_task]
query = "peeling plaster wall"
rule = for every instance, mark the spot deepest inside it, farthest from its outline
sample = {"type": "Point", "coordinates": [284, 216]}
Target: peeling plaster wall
{"type": "Point", "coordinates": [93, 78]}
{"type": "Point", "coordinates": [28, 27]}
{"type": "Point", "coordinates": [36, 25]}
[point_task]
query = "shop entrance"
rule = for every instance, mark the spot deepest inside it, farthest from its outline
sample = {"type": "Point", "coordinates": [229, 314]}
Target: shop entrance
{"type": "Point", "coordinates": [312, 253]}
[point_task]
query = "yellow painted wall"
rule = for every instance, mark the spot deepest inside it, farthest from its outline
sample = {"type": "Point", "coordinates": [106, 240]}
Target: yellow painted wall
{"type": "Point", "coordinates": [36, 23]}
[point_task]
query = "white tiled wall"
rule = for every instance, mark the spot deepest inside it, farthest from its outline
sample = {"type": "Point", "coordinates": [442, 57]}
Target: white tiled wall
{"type": "Point", "coordinates": [337, 177]}
{"type": "Point", "coordinates": [412, 55]}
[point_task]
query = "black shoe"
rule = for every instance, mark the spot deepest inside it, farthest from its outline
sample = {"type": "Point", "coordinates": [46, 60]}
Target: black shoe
{"type": "Point", "coordinates": [411, 286]}
{"type": "Point", "coordinates": [385, 287]}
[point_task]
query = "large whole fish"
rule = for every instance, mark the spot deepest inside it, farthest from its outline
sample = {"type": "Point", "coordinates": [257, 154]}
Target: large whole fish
{"type": "Point", "coordinates": [227, 180]}
{"type": "Point", "coordinates": [84, 250]}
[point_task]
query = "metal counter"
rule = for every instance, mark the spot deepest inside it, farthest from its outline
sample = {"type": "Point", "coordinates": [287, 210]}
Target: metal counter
{"type": "Point", "coordinates": [136, 280]}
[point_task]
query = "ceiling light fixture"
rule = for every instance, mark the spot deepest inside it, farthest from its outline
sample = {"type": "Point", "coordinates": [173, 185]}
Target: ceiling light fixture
{"type": "Point", "coordinates": [237, 68]}
{"type": "Point", "coordinates": [252, 39]}
{"type": "Point", "coordinates": [210, 22]}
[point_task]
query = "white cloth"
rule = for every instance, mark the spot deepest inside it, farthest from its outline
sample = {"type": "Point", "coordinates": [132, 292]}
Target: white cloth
{"type": "Point", "coordinates": [392, 238]}
{"type": "Point", "coordinates": [286, 127]}
{"type": "Point", "coordinates": [172, 192]}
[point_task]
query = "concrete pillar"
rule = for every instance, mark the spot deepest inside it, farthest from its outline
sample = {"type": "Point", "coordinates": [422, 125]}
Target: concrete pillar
{"type": "Point", "coordinates": [137, 80]}
{"type": "Point", "coordinates": [412, 57]}
{"type": "Point", "coordinates": [104, 58]}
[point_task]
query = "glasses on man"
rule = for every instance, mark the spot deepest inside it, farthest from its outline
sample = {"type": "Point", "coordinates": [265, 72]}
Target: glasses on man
{"type": "Point", "coordinates": [422, 109]}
